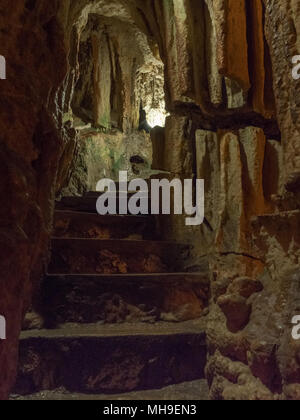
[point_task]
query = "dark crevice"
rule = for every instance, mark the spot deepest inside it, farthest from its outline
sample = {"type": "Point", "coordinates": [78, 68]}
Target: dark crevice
{"type": "Point", "coordinates": [228, 120]}
{"type": "Point", "coordinates": [30, 5]}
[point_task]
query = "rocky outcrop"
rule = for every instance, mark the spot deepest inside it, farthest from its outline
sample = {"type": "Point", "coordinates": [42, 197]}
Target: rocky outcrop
{"type": "Point", "coordinates": [240, 134]}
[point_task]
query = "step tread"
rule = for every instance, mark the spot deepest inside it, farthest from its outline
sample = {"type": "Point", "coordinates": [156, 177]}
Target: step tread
{"type": "Point", "coordinates": [87, 200]}
{"type": "Point", "coordinates": [133, 276]}
{"type": "Point", "coordinates": [122, 241]}
{"type": "Point", "coordinates": [93, 194]}
{"type": "Point", "coordinates": [107, 218]}
{"type": "Point", "coordinates": [71, 331]}
{"type": "Point", "coordinates": [186, 391]}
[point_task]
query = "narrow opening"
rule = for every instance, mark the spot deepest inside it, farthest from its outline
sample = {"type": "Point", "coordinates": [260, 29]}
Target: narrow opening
{"type": "Point", "coordinates": [118, 99]}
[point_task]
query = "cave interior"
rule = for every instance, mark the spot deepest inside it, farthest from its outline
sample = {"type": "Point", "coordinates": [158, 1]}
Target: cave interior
{"type": "Point", "coordinates": [142, 306]}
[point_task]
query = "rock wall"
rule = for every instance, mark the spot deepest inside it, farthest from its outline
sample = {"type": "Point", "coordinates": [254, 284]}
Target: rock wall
{"type": "Point", "coordinates": [234, 106]}
{"type": "Point", "coordinates": [32, 143]}
{"type": "Point", "coordinates": [234, 121]}
{"type": "Point", "coordinates": [41, 43]}
{"type": "Point", "coordinates": [104, 155]}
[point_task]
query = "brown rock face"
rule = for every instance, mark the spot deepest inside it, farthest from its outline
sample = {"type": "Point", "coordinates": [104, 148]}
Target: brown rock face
{"type": "Point", "coordinates": [225, 69]}
{"type": "Point", "coordinates": [240, 108]}
{"type": "Point", "coordinates": [32, 141]}
{"type": "Point", "coordinates": [237, 311]}
{"type": "Point", "coordinates": [283, 38]}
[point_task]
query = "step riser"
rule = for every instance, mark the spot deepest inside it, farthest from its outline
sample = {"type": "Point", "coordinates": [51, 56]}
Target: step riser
{"type": "Point", "coordinates": [109, 365]}
{"type": "Point", "coordinates": [68, 227]}
{"type": "Point", "coordinates": [88, 204]}
{"type": "Point", "coordinates": [115, 257]}
{"type": "Point", "coordinates": [120, 187]}
{"type": "Point", "coordinates": [89, 300]}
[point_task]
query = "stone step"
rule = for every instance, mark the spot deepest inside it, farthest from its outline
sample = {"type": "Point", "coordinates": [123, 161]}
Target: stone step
{"type": "Point", "coordinates": [90, 225]}
{"type": "Point", "coordinates": [124, 298]}
{"type": "Point", "coordinates": [186, 391]}
{"type": "Point", "coordinates": [115, 256]}
{"type": "Point", "coordinates": [88, 202]}
{"type": "Point", "coordinates": [111, 359]}
{"type": "Point", "coordinates": [96, 194]}
{"type": "Point", "coordinates": [120, 187]}
{"type": "Point", "coordinates": [77, 203]}
{"type": "Point", "coordinates": [119, 190]}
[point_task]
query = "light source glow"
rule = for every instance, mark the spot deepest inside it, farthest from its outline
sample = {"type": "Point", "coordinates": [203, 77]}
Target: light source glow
{"type": "Point", "coordinates": [156, 117]}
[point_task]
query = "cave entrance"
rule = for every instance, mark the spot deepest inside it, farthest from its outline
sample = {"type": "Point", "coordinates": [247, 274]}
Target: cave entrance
{"type": "Point", "coordinates": [118, 99]}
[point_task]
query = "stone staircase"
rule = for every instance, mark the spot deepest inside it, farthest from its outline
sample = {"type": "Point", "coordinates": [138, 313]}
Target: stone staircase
{"type": "Point", "coordinates": [121, 314]}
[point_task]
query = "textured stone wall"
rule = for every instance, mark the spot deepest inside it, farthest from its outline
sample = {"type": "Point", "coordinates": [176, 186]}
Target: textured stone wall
{"type": "Point", "coordinates": [283, 35]}
{"type": "Point", "coordinates": [234, 121]}
{"type": "Point", "coordinates": [32, 143]}
{"type": "Point", "coordinates": [119, 70]}
{"type": "Point", "coordinates": [235, 112]}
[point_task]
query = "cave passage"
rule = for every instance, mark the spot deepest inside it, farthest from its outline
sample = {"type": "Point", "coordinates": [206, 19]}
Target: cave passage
{"type": "Point", "coordinates": [118, 98]}
{"type": "Point", "coordinates": [120, 72]}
